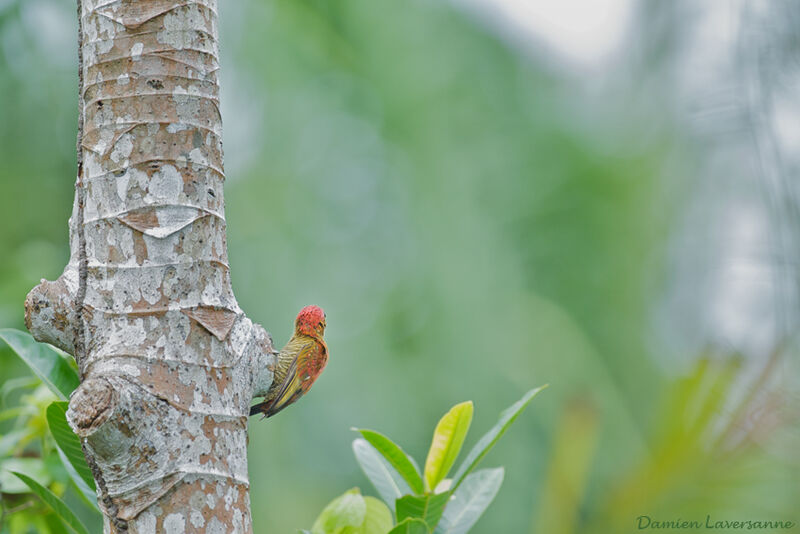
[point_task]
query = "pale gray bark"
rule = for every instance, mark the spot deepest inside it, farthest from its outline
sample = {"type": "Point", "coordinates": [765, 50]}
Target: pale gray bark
{"type": "Point", "coordinates": [169, 363]}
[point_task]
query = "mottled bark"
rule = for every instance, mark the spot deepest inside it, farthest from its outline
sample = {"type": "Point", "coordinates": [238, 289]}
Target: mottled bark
{"type": "Point", "coordinates": [169, 363]}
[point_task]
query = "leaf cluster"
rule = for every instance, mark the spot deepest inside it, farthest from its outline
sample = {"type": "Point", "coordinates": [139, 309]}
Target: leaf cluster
{"type": "Point", "coordinates": [422, 501]}
{"type": "Point", "coordinates": [58, 463]}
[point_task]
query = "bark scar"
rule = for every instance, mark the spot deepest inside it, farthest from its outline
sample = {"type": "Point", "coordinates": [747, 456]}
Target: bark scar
{"type": "Point", "coordinates": [218, 321]}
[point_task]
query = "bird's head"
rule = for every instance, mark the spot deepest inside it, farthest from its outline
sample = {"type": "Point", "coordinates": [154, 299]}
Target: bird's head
{"type": "Point", "coordinates": [310, 322]}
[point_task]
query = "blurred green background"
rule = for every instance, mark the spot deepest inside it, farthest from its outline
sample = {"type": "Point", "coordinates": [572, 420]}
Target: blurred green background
{"type": "Point", "coordinates": [479, 215]}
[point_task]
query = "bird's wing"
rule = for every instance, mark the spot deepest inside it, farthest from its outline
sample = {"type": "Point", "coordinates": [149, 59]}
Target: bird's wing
{"type": "Point", "coordinates": [291, 389]}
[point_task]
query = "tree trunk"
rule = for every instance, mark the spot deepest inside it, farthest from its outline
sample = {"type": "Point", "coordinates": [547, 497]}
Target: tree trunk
{"type": "Point", "coordinates": [169, 364]}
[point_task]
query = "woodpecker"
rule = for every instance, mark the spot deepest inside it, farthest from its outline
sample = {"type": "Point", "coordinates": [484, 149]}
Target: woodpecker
{"type": "Point", "coordinates": [299, 364]}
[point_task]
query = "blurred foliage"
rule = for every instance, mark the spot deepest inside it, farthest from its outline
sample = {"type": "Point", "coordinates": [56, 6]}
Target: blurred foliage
{"type": "Point", "coordinates": [472, 217]}
{"type": "Point", "coordinates": [695, 468]}
{"type": "Point", "coordinates": [38, 494]}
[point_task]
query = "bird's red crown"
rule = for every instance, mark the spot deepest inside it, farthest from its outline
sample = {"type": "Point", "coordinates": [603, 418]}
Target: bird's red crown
{"type": "Point", "coordinates": [310, 320]}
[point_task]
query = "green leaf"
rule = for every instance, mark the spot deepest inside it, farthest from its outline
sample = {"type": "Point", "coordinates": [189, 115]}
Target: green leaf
{"type": "Point", "coordinates": [410, 526]}
{"type": "Point", "coordinates": [68, 442]}
{"type": "Point", "coordinates": [33, 467]}
{"type": "Point", "coordinates": [87, 494]}
{"type": "Point", "coordinates": [470, 501]}
{"type": "Point", "coordinates": [377, 519]}
{"type": "Point", "coordinates": [347, 510]}
{"type": "Point", "coordinates": [387, 481]}
{"type": "Point", "coordinates": [447, 441]}
{"type": "Point", "coordinates": [396, 457]}
{"type": "Point", "coordinates": [488, 440]}
{"type": "Point", "coordinates": [429, 508]}
{"type": "Point", "coordinates": [54, 370]}
{"type": "Point", "coordinates": [55, 503]}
